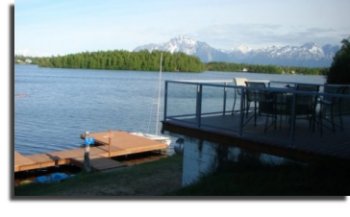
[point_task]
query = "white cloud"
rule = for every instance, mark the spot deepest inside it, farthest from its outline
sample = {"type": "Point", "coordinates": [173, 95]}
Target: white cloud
{"type": "Point", "coordinates": [69, 26]}
{"type": "Point", "coordinates": [259, 35]}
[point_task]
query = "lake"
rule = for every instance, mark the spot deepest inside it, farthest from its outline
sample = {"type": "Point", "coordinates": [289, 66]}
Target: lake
{"type": "Point", "coordinates": [54, 106]}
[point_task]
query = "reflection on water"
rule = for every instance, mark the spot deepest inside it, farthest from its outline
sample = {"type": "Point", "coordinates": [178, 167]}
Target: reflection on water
{"type": "Point", "coordinates": [202, 157]}
{"type": "Point", "coordinates": [199, 159]}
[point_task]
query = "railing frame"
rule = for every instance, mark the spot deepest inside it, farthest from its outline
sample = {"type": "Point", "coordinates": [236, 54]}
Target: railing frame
{"type": "Point", "coordinates": [199, 104]}
{"type": "Point", "coordinates": [199, 100]}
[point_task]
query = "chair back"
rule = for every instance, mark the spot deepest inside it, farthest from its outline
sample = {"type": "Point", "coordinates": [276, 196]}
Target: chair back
{"type": "Point", "coordinates": [306, 104]}
{"type": "Point", "coordinates": [254, 90]}
{"type": "Point", "coordinates": [333, 89]}
{"type": "Point", "coordinates": [239, 81]}
{"type": "Point", "coordinates": [308, 87]}
{"type": "Point", "coordinates": [266, 103]}
{"type": "Point", "coordinates": [343, 104]}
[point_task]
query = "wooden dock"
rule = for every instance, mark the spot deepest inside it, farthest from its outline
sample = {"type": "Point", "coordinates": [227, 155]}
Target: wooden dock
{"type": "Point", "coordinates": [107, 145]}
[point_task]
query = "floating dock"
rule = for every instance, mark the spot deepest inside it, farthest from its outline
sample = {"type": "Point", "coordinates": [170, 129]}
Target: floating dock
{"type": "Point", "coordinates": [107, 145]}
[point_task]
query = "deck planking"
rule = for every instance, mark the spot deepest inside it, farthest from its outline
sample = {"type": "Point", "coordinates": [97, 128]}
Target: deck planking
{"type": "Point", "coordinates": [109, 144]}
{"type": "Point", "coordinates": [307, 145]}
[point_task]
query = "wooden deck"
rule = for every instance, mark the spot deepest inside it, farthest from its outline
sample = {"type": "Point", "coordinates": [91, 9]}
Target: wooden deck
{"type": "Point", "coordinates": [305, 145]}
{"type": "Point", "coordinates": [108, 145]}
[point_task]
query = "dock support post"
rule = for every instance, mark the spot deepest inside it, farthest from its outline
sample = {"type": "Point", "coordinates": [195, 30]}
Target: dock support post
{"type": "Point", "coordinates": [87, 167]}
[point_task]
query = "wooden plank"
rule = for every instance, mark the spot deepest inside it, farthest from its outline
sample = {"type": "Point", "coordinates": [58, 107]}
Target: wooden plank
{"type": "Point", "coordinates": [121, 143]}
{"type": "Point", "coordinates": [123, 140]}
{"type": "Point", "coordinates": [21, 160]}
{"type": "Point", "coordinates": [69, 153]}
{"type": "Point", "coordinates": [42, 158]}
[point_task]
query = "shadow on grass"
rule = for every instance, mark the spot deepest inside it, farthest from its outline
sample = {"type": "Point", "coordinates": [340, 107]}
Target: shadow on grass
{"type": "Point", "coordinates": [250, 178]}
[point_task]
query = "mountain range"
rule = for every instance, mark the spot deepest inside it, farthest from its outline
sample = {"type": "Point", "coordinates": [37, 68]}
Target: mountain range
{"type": "Point", "coordinates": [306, 55]}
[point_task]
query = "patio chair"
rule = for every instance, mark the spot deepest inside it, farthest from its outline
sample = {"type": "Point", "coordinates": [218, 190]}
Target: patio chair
{"type": "Point", "coordinates": [332, 106]}
{"type": "Point", "coordinates": [275, 105]}
{"type": "Point", "coordinates": [253, 95]}
{"type": "Point", "coordinates": [305, 105]}
{"type": "Point", "coordinates": [240, 82]}
{"type": "Point", "coordinates": [267, 108]}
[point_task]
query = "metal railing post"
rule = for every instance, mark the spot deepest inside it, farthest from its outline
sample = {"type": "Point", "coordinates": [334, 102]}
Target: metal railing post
{"type": "Point", "coordinates": [199, 104]}
{"type": "Point", "coordinates": [243, 91]}
{"type": "Point", "coordinates": [224, 103]}
{"type": "Point", "coordinates": [165, 100]}
{"type": "Point", "coordinates": [293, 119]}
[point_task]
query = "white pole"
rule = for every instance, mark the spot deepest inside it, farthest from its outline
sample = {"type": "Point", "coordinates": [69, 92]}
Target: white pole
{"type": "Point", "coordinates": [159, 92]}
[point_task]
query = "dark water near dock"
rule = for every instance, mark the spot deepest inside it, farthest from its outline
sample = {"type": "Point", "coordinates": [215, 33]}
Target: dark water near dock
{"type": "Point", "coordinates": [54, 106]}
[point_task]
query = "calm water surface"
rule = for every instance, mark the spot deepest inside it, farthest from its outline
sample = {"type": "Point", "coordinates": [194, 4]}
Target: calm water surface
{"type": "Point", "coordinates": [54, 106]}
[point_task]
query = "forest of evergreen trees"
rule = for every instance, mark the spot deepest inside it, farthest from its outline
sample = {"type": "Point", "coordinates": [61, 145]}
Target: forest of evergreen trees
{"type": "Point", "coordinates": [272, 69]}
{"type": "Point", "coordinates": [124, 60]}
{"type": "Point", "coordinates": [149, 61]}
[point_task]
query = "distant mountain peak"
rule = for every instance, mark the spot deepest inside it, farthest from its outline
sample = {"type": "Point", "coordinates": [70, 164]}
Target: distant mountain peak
{"type": "Point", "coordinates": [184, 39]}
{"type": "Point", "coordinates": [308, 54]}
{"type": "Point", "coordinates": [244, 48]}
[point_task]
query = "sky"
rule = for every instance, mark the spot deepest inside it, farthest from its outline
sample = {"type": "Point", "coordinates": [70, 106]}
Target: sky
{"type": "Point", "coordinates": [58, 27]}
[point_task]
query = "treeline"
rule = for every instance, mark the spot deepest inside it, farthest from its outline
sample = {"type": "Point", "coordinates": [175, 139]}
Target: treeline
{"type": "Point", "coordinates": [149, 61]}
{"type": "Point", "coordinates": [272, 69]}
{"type": "Point", "coordinates": [124, 60]}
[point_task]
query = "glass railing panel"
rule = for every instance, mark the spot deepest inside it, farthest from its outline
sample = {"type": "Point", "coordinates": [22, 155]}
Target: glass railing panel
{"type": "Point", "coordinates": [181, 100]}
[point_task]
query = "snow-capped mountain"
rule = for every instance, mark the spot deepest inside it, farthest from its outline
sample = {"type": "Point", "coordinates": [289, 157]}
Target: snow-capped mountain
{"type": "Point", "coordinates": [189, 46]}
{"type": "Point", "coordinates": [309, 54]}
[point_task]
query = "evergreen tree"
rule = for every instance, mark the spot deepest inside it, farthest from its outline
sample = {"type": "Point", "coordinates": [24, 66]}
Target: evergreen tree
{"type": "Point", "coordinates": [339, 72]}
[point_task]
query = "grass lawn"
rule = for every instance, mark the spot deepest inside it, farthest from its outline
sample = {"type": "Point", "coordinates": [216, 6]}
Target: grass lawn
{"type": "Point", "coordinates": [148, 179]}
{"type": "Point", "coordinates": [163, 178]}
